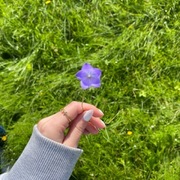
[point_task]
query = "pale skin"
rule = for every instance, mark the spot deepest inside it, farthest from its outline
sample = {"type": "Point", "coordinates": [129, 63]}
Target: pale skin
{"type": "Point", "coordinates": [54, 126]}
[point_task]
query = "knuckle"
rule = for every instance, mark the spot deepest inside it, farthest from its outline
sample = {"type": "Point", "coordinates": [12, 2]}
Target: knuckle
{"type": "Point", "coordinates": [73, 103]}
{"type": "Point", "coordinates": [80, 129]}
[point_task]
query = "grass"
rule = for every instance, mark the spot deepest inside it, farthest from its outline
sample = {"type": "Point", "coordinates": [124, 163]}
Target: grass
{"type": "Point", "coordinates": [136, 44]}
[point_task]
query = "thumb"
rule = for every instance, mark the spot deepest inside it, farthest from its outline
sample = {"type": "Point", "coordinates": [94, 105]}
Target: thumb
{"type": "Point", "coordinates": [77, 129]}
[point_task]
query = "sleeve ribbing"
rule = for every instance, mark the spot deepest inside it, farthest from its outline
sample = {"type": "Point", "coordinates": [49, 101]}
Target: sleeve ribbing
{"type": "Point", "coordinates": [43, 159]}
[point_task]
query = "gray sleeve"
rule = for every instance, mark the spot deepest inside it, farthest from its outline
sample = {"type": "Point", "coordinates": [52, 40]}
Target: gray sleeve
{"type": "Point", "coordinates": [43, 159]}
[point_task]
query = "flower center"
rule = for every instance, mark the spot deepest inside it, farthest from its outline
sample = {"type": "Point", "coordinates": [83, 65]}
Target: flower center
{"type": "Point", "coordinates": [89, 76]}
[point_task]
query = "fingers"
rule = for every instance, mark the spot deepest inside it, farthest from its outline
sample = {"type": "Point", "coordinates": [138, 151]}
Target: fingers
{"type": "Point", "coordinates": [76, 108]}
{"type": "Point", "coordinates": [85, 123]}
{"type": "Point", "coordinates": [72, 110]}
{"type": "Point", "coordinates": [77, 128]}
{"type": "Point", "coordinates": [97, 123]}
{"type": "Point", "coordinates": [94, 126]}
{"type": "Point", "coordinates": [80, 118]}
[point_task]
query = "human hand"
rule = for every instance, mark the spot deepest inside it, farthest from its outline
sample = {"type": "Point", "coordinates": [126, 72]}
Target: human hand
{"type": "Point", "coordinates": [79, 118]}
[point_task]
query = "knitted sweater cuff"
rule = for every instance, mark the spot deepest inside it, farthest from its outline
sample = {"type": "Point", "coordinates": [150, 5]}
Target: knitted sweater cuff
{"type": "Point", "coordinates": [44, 159]}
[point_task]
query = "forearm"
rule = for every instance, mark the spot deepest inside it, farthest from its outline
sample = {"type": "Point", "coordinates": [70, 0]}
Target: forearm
{"type": "Point", "coordinates": [43, 159]}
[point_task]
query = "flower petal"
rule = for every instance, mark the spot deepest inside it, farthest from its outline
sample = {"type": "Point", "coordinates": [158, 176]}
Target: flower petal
{"type": "Point", "coordinates": [84, 86]}
{"type": "Point", "coordinates": [81, 74]}
{"type": "Point", "coordinates": [95, 80]}
{"type": "Point", "coordinates": [97, 71]}
{"type": "Point", "coordinates": [87, 67]}
{"type": "Point", "coordinates": [87, 81]}
{"type": "Point", "coordinates": [96, 85]}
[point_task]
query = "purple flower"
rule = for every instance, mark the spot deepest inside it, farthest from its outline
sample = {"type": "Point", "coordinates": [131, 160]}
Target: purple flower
{"type": "Point", "coordinates": [89, 76]}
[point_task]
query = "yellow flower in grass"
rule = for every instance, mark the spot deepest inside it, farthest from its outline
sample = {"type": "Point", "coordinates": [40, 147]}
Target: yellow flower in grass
{"type": "Point", "coordinates": [4, 138]}
{"type": "Point", "coordinates": [47, 2]}
{"type": "Point", "coordinates": [129, 133]}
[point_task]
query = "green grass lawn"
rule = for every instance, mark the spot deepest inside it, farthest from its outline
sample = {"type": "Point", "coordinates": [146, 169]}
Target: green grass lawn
{"type": "Point", "coordinates": [135, 43]}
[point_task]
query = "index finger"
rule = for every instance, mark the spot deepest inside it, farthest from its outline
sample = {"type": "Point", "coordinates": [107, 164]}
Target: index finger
{"type": "Point", "coordinates": [75, 108]}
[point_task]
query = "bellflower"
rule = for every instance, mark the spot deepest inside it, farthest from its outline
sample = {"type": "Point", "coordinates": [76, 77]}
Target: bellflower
{"type": "Point", "coordinates": [89, 76]}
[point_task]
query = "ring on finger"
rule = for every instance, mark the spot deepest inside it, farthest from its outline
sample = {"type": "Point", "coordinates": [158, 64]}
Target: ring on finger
{"type": "Point", "coordinates": [66, 115]}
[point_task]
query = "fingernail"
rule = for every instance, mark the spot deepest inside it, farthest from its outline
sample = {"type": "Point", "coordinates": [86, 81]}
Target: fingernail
{"type": "Point", "coordinates": [88, 115]}
{"type": "Point", "coordinates": [103, 123]}
{"type": "Point", "coordinates": [101, 112]}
